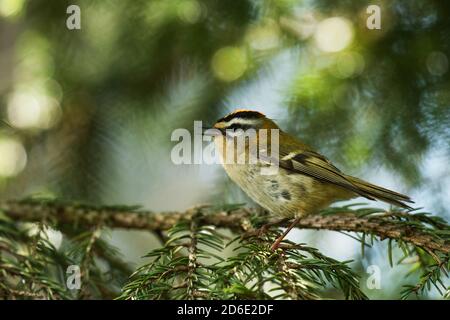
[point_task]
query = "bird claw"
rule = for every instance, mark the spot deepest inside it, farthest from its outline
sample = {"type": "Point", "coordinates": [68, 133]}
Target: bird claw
{"type": "Point", "coordinates": [261, 231]}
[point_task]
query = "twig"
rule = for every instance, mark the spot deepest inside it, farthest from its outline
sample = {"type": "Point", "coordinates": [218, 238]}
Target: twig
{"type": "Point", "coordinates": [192, 256]}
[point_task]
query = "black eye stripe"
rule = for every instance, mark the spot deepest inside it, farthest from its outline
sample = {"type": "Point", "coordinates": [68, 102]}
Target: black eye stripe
{"type": "Point", "coordinates": [236, 126]}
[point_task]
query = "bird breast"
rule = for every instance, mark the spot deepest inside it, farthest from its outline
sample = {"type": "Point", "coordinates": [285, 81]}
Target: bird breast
{"type": "Point", "coordinates": [285, 194]}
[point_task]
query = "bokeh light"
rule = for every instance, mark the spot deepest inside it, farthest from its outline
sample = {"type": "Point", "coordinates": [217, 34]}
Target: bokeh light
{"type": "Point", "coordinates": [189, 11]}
{"type": "Point", "coordinates": [11, 8]}
{"type": "Point", "coordinates": [229, 63]}
{"type": "Point", "coordinates": [264, 37]}
{"type": "Point", "coordinates": [13, 157]}
{"type": "Point", "coordinates": [348, 64]}
{"type": "Point", "coordinates": [32, 110]}
{"type": "Point", "coordinates": [333, 34]}
{"type": "Point", "coordinates": [437, 63]}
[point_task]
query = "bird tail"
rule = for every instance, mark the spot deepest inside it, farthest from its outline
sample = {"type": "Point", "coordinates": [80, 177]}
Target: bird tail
{"type": "Point", "coordinates": [372, 191]}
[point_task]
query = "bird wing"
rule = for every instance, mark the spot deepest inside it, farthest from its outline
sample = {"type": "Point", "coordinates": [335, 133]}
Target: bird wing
{"type": "Point", "coordinates": [315, 165]}
{"type": "Point", "coordinates": [299, 158]}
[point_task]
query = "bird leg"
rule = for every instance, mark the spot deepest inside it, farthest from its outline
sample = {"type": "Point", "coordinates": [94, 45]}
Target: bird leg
{"type": "Point", "coordinates": [270, 224]}
{"type": "Point", "coordinates": [277, 242]}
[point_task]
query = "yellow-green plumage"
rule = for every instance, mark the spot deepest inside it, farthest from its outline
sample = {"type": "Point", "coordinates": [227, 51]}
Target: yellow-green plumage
{"type": "Point", "coordinates": [305, 182]}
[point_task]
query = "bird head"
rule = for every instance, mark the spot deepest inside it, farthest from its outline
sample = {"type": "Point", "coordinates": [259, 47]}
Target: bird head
{"type": "Point", "coordinates": [244, 120]}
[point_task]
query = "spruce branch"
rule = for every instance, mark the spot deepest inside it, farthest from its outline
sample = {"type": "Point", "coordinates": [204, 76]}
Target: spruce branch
{"type": "Point", "coordinates": [192, 254]}
{"type": "Point", "coordinates": [182, 268]}
{"type": "Point", "coordinates": [254, 272]}
{"type": "Point", "coordinates": [429, 233]}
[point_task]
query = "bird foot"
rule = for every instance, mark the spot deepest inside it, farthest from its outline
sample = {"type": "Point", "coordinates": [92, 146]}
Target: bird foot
{"type": "Point", "coordinates": [261, 231]}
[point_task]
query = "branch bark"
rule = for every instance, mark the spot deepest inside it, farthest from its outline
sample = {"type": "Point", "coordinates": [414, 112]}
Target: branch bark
{"type": "Point", "coordinates": [237, 220]}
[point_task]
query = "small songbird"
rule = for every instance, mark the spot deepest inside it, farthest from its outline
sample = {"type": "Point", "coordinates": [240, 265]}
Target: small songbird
{"type": "Point", "coordinates": [305, 181]}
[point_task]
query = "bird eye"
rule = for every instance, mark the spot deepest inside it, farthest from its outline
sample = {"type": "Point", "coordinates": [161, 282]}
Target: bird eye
{"type": "Point", "coordinates": [237, 129]}
{"type": "Point", "coordinates": [236, 126]}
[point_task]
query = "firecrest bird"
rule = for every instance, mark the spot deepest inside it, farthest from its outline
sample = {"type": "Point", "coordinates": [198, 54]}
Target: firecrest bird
{"type": "Point", "coordinates": [305, 181]}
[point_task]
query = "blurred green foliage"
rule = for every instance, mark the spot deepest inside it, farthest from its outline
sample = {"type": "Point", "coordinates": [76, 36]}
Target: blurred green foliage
{"type": "Point", "coordinates": [383, 99]}
{"type": "Point", "coordinates": [77, 105]}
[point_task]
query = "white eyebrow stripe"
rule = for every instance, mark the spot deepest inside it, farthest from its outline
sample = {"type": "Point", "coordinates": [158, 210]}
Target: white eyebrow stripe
{"type": "Point", "coordinates": [240, 121]}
